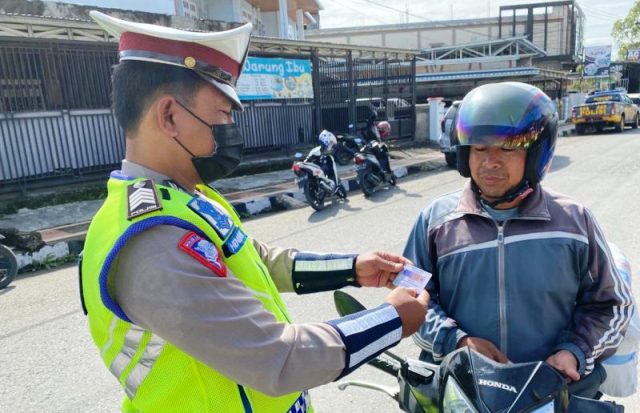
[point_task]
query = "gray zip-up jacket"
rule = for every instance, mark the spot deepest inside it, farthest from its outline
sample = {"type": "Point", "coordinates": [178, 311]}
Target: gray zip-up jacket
{"type": "Point", "coordinates": [533, 285]}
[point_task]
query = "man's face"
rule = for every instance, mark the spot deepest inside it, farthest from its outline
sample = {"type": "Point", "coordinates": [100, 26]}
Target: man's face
{"type": "Point", "coordinates": [214, 109]}
{"type": "Point", "coordinates": [496, 170]}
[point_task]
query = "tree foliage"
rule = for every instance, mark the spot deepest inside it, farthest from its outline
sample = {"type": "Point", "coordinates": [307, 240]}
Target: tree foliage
{"type": "Point", "coordinates": [626, 32]}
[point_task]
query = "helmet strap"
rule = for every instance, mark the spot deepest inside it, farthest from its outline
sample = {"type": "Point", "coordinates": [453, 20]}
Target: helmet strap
{"type": "Point", "coordinates": [521, 191]}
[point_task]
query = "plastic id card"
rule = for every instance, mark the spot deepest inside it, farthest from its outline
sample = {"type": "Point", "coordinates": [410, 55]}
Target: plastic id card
{"type": "Point", "coordinates": [412, 277]}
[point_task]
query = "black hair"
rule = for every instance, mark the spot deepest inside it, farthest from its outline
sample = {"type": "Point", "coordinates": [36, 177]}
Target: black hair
{"type": "Point", "coordinates": [135, 84]}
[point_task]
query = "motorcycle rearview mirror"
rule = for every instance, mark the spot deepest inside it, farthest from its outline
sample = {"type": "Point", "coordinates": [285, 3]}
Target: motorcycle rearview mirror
{"type": "Point", "coordinates": [298, 155]}
{"type": "Point", "coordinates": [346, 304]}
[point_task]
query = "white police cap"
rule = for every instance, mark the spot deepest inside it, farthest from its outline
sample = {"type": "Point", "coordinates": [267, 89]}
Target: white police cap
{"type": "Point", "coordinates": [217, 57]}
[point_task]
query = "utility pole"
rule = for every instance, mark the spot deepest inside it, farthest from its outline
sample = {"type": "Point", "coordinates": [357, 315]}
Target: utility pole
{"type": "Point", "coordinates": [406, 12]}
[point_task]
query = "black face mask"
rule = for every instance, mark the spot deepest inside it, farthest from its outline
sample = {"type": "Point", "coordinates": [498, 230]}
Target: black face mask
{"type": "Point", "coordinates": [228, 154]}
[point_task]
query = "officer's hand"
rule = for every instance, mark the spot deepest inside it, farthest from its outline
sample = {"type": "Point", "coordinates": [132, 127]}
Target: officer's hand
{"type": "Point", "coordinates": [565, 362]}
{"type": "Point", "coordinates": [484, 347]}
{"type": "Point", "coordinates": [411, 309]}
{"type": "Point", "coordinates": [378, 268]}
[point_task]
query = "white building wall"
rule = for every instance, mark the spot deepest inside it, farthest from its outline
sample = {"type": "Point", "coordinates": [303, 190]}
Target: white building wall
{"type": "Point", "coordinates": [472, 34]}
{"type": "Point", "coordinates": [270, 22]}
{"type": "Point", "coordinates": [189, 8]}
{"type": "Point", "coordinates": [436, 38]}
{"type": "Point", "coordinates": [220, 10]}
{"type": "Point", "coordinates": [402, 39]}
{"type": "Point", "coordinates": [364, 40]}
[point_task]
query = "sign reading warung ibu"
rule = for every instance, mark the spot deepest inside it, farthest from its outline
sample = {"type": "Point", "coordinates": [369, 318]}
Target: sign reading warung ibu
{"type": "Point", "coordinates": [275, 78]}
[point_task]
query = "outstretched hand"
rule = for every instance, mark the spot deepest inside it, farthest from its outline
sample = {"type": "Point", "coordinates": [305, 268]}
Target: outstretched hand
{"type": "Point", "coordinates": [411, 308]}
{"type": "Point", "coordinates": [378, 268]}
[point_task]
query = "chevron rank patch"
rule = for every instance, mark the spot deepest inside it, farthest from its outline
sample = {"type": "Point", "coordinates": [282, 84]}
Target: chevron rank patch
{"type": "Point", "coordinates": [204, 251]}
{"type": "Point", "coordinates": [214, 214]}
{"type": "Point", "coordinates": [142, 199]}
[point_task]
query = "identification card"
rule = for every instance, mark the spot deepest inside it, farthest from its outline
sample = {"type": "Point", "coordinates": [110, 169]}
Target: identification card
{"type": "Point", "coordinates": [412, 277]}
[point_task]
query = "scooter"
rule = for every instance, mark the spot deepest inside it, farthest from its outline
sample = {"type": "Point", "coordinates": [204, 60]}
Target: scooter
{"type": "Point", "coordinates": [468, 382]}
{"type": "Point", "coordinates": [372, 167]}
{"type": "Point", "coordinates": [347, 147]}
{"type": "Point", "coordinates": [313, 176]}
{"type": "Point", "coordinates": [8, 265]}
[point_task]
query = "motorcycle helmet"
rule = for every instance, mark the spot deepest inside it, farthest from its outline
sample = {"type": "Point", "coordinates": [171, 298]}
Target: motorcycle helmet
{"type": "Point", "coordinates": [327, 141]}
{"type": "Point", "coordinates": [513, 115]}
{"type": "Point", "coordinates": [384, 128]}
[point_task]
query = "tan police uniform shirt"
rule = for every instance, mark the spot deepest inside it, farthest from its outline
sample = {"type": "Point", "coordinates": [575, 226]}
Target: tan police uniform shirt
{"type": "Point", "coordinates": [218, 320]}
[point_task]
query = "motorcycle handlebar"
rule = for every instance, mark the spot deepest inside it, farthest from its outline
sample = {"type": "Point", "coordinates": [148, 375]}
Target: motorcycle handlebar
{"type": "Point", "coordinates": [587, 386]}
{"type": "Point", "coordinates": [388, 365]}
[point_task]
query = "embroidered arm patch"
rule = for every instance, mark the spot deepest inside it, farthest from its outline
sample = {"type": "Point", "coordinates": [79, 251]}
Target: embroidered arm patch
{"type": "Point", "coordinates": [141, 199]}
{"type": "Point", "coordinates": [204, 251]}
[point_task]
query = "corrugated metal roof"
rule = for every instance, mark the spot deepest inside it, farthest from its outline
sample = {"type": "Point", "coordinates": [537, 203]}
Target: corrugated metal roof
{"type": "Point", "coordinates": [478, 74]}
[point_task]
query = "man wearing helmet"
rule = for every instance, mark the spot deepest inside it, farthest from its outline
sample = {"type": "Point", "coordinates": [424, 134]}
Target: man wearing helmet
{"type": "Point", "coordinates": [328, 142]}
{"type": "Point", "coordinates": [520, 273]}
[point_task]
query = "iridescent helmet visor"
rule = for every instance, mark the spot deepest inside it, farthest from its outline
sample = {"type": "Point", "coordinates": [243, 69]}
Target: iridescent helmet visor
{"type": "Point", "coordinates": [510, 115]}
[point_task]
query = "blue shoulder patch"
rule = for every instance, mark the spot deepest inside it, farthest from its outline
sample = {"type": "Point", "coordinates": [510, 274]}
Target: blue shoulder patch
{"type": "Point", "coordinates": [234, 243]}
{"type": "Point", "coordinates": [215, 215]}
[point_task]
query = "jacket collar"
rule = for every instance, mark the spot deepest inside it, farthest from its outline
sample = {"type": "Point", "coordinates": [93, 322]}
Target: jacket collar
{"type": "Point", "coordinates": [534, 206]}
{"type": "Point", "coordinates": [136, 170]}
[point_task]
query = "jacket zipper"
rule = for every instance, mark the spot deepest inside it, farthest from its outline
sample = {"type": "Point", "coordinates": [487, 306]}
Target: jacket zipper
{"type": "Point", "coordinates": [502, 294]}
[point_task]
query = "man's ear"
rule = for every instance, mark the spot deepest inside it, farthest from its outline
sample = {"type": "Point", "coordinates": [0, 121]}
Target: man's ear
{"type": "Point", "coordinates": [164, 111]}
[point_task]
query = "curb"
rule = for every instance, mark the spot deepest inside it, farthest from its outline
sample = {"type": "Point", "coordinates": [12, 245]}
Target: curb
{"type": "Point", "coordinates": [287, 200]}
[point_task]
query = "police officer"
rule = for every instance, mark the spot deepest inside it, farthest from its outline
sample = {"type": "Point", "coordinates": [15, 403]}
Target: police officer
{"type": "Point", "coordinates": [182, 304]}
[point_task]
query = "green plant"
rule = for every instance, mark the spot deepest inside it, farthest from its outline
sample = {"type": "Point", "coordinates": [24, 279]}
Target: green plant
{"type": "Point", "coordinates": [49, 262]}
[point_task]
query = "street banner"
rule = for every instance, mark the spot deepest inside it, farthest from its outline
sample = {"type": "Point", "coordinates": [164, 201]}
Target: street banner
{"type": "Point", "coordinates": [633, 55]}
{"type": "Point", "coordinates": [275, 78]}
{"type": "Point", "coordinates": [596, 61]}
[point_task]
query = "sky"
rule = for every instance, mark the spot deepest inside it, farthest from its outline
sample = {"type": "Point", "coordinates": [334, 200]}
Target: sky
{"type": "Point", "coordinates": [600, 14]}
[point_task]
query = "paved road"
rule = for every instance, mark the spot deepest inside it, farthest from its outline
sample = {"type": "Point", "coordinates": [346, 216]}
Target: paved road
{"type": "Point", "coordinates": [47, 360]}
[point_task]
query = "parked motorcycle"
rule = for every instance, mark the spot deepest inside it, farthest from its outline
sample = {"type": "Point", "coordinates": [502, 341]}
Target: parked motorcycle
{"type": "Point", "coordinates": [8, 265]}
{"type": "Point", "coordinates": [372, 163]}
{"type": "Point", "coordinates": [468, 382]}
{"type": "Point", "coordinates": [347, 147]}
{"type": "Point", "coordinates": [317, 174]}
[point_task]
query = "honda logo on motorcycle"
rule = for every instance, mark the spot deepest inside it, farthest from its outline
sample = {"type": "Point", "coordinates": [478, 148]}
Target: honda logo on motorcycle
{"type": "Point", "coordinates": [497, 385]}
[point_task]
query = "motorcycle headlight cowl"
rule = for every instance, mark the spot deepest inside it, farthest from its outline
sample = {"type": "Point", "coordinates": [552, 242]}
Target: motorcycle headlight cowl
{"type": "Point", "coordinates": [454, 399]}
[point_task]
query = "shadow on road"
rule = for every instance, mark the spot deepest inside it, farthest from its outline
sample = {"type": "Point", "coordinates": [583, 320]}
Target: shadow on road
{"type": "Point", "coordinates": [331, 209]}
{"type": "Point", "coordinates": [7, 289]}
{"type": "Point", "coordinates": [382, 195]}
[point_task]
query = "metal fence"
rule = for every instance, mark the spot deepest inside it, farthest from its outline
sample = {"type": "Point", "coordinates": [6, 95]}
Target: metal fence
{"type": "Point", "coordinates": [269, 125]}
{"type": "Point", "coordinates": [54, 95]}
{"type": "Point", "coordinates": [351, 88]}
{"type": "Point", "coordinates": [38, 74]}
{"type": "Point", "coordinates": [38, 145]}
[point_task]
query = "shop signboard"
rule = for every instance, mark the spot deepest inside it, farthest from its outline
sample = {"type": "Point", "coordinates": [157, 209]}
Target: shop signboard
{"type": "Point", "coordinates": [596, 61]}
{"type": "Point", "coordinates": [275, 78]}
